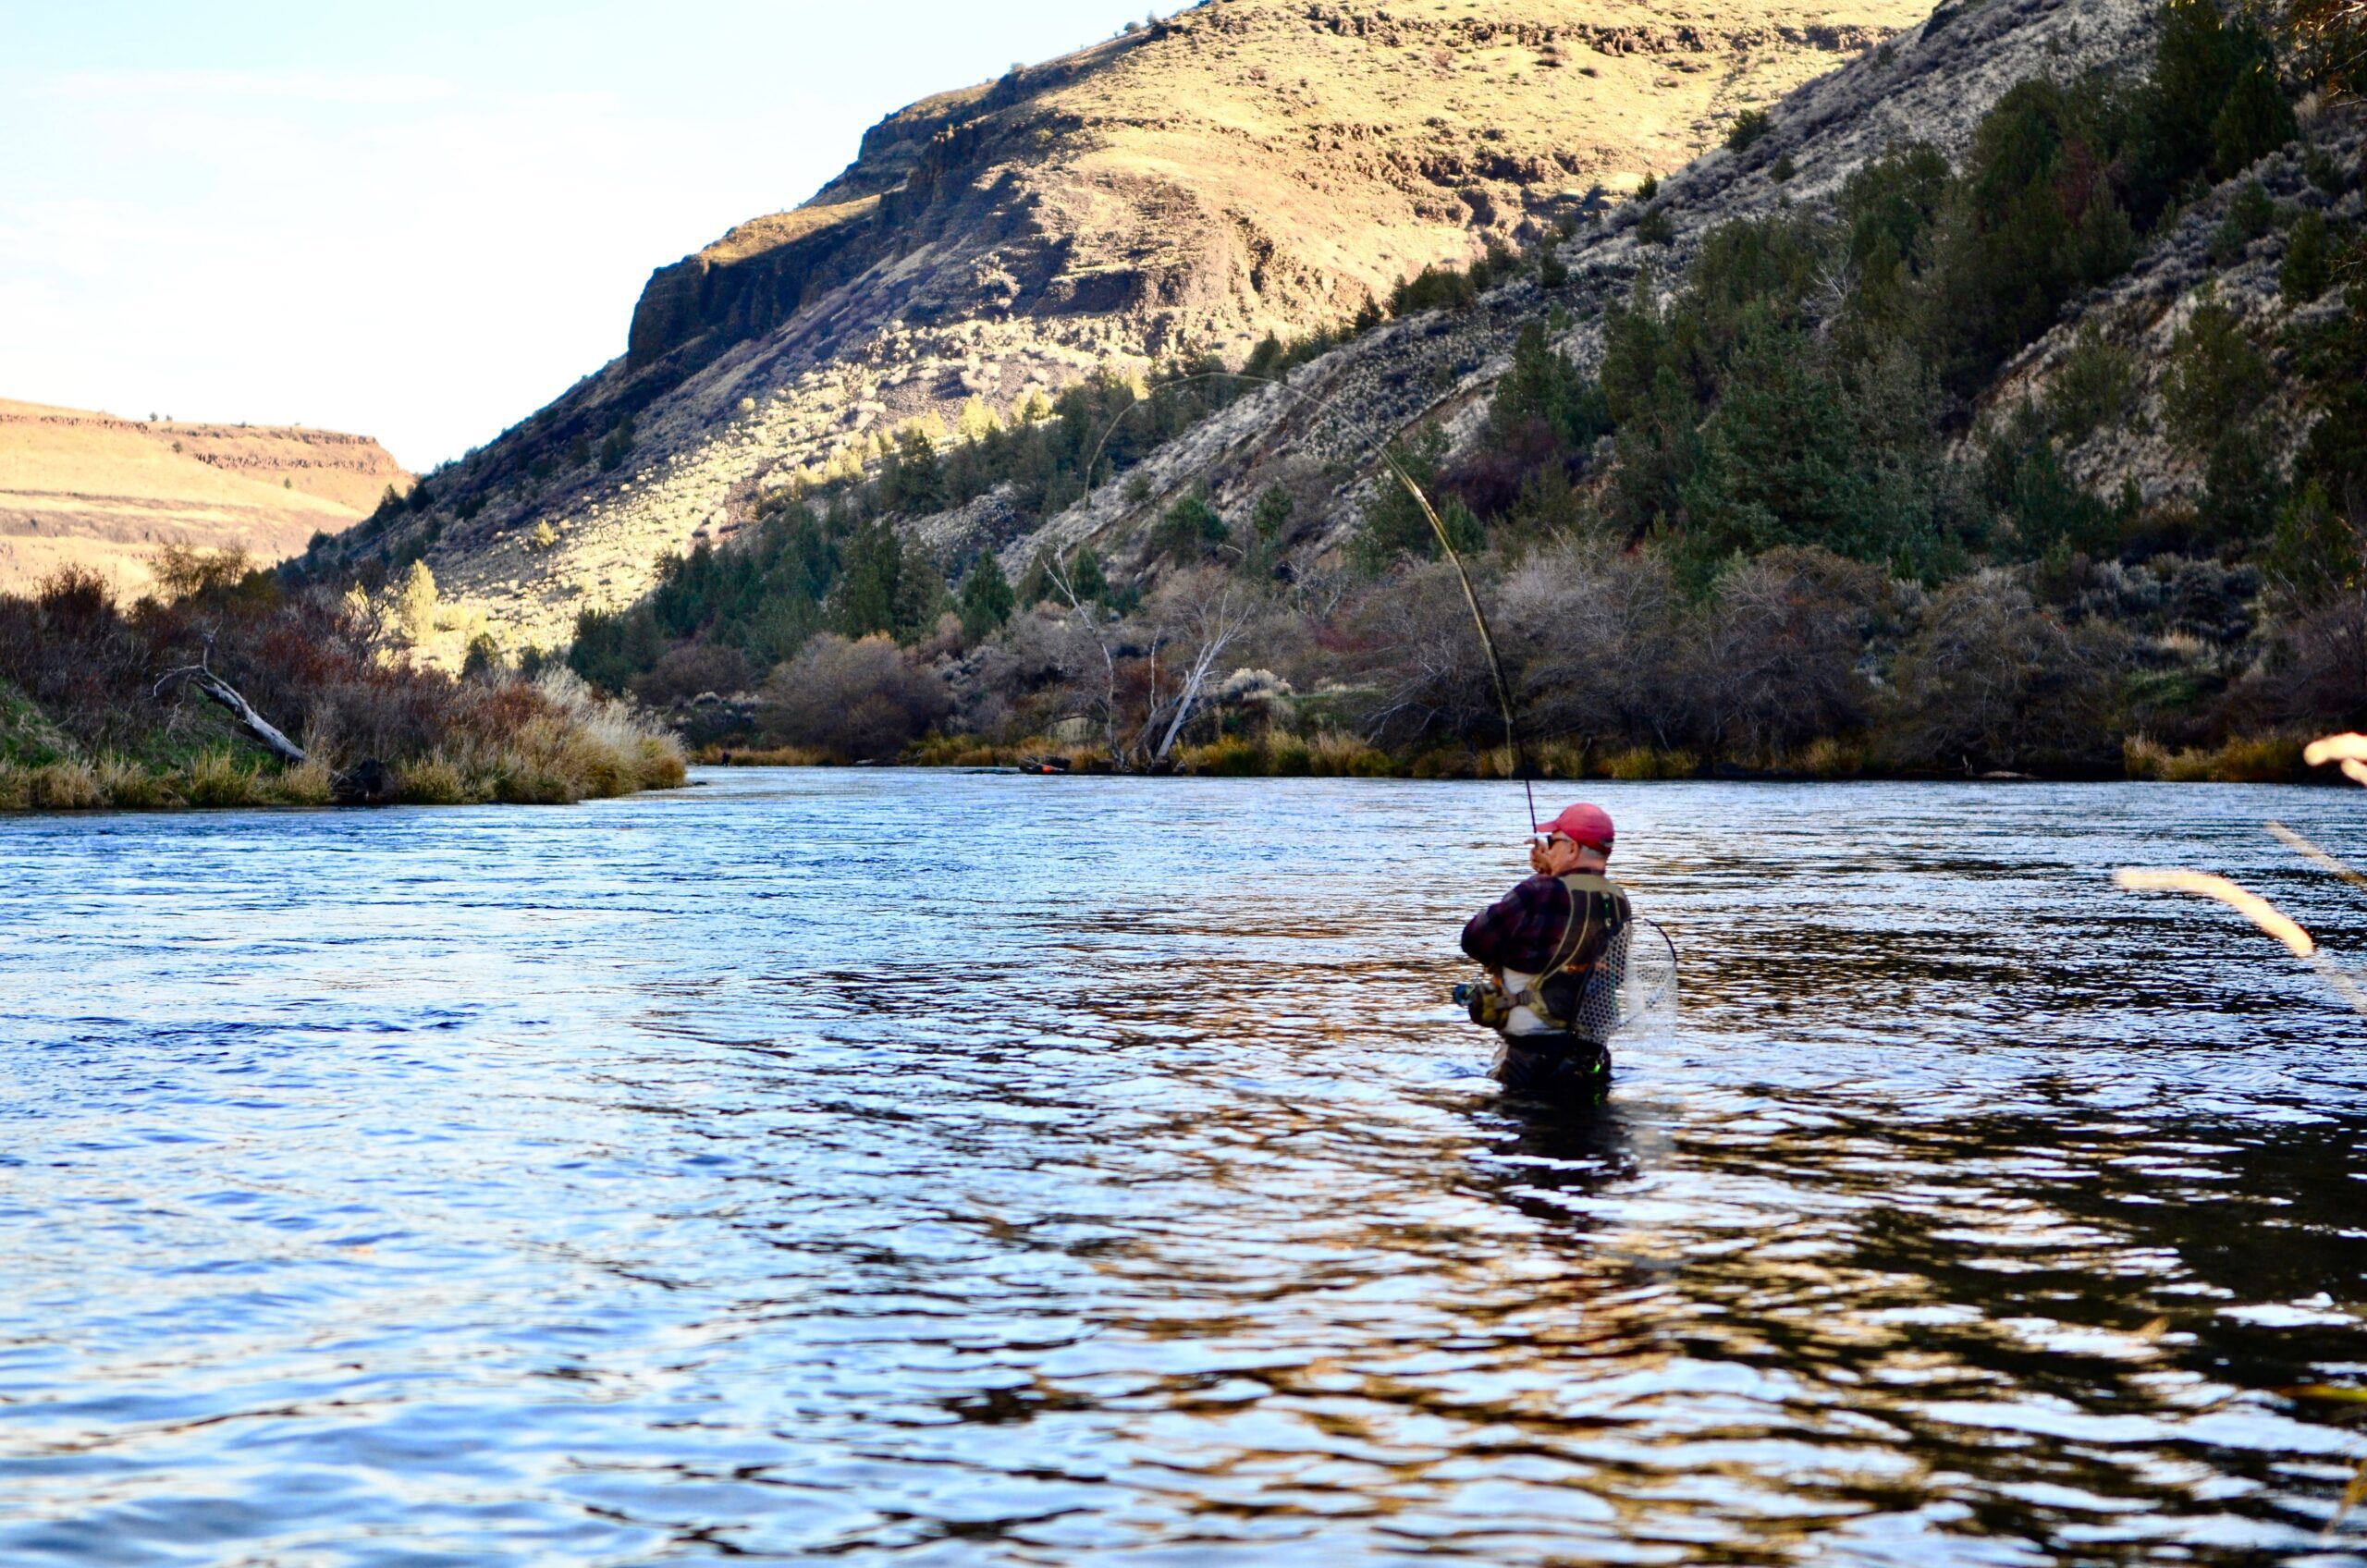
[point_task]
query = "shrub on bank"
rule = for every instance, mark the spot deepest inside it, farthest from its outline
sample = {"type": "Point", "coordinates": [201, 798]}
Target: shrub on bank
{"type": "Point", "coordinates": [858, 700]}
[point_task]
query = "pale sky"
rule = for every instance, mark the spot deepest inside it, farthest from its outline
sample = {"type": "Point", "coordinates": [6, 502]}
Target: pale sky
{"type": "Point", "coordinates": [421, 221]}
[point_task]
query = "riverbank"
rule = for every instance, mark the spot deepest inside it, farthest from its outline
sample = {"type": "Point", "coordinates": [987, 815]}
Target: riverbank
{"type": "Point", "coordinates": [2251, 760]}
{"type": "Point", "coordinates": [189, 699]}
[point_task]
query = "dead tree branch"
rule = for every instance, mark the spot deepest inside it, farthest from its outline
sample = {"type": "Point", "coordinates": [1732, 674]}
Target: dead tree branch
{"type": "Point", "coordinates": [200, 675]}
{"type": "Point", "coordinates": [1090, 619]}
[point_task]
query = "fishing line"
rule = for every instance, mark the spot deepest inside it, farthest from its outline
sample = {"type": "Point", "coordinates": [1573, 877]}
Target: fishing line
{"type": "Point", "coordinates": [1438, 527]}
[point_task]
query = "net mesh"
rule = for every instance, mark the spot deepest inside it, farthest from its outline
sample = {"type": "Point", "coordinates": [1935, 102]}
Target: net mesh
{"type": "Point", "coordinates": [1634, 983]}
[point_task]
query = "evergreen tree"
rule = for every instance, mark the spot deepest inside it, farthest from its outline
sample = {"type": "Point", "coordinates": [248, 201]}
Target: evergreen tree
{"type": "Point", "coordinates": [2307, 267]}
{"type": "Point", "coordinates": [2254, 122]}
{"type": "Point", "coordinates": [1267, 521]}
{"type": "Point", "coordinates": [1190, 530]}
{"type": "Point", "coordinates": [1544, 386]}
{"type": "Point", "coordinates": [921, 597]}
{"type": "Point", "coordinates": [1035, 585]}
{"type": "Point", "coordinates": [873, 582]}
{"type": "Point", "coordinates": [2314, 558]}
{"type": "Point", "coordinates": [1394, 524]}
{"type": "Point", "coordinates": [987, 598]}
{"type": "Point", "coordinates": [1087, 577]}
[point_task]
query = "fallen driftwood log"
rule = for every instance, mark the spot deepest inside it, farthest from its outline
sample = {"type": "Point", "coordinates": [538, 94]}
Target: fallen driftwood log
{"type": "Point", "coordinates": [200, 675]}
{"type": "Point", "coordinates": [367, 783]}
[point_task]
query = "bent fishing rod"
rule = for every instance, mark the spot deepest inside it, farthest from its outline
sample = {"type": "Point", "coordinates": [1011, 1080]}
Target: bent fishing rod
{"type": "Point", "coordinates": [1438, 528]}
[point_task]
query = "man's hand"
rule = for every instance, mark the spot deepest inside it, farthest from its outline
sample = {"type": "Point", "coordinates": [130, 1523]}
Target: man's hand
{"type": "Point", "coordinates": [1537, 856]}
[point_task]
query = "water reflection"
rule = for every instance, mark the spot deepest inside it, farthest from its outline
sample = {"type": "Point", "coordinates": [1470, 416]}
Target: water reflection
{"type": "Point", "coordinates": [737, 1174]}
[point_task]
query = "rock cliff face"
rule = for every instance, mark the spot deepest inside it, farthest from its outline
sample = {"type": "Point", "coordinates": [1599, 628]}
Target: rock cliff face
{"type": "Point", "coordinates": [1247, 167]}
{"type": "Point", "coordinates": [88, 489]}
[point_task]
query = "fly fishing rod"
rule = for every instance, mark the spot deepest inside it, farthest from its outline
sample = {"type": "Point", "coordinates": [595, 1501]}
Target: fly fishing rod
{"type": "Point", "coordinates": [1438, 528]}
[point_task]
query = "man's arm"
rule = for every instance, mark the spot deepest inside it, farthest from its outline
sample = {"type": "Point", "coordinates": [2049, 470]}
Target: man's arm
{"type": "Point", "coordinates": [1503, 932]}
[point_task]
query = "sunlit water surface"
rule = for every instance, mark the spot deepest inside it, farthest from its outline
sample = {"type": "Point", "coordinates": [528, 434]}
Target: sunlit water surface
{"type": "Point", "coordinates": [920, 1168]}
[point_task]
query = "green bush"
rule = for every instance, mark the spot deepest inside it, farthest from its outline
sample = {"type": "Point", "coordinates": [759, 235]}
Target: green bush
{"type": "Point", "coordinates": [2307, 267]}
{"type": "Point", "coordinates": [1190, 530]}
{"type": "Point", "coordinates": [2041, 512]}
{"type": "Point", "coordinates": [2216, 378]}
{"type": "Point", "coordinates": [1433, 287]}
{"type": "Point", "coordinates": [1269, 521]}
{"type": "Point", "coordinates": [1543, 385]}
{"type": "Point", "coordinates": [1395, 526]}
{"type": "Point", "coordinates": [616, 446]}
{"type": "Point", "coordinates": [2095, 387]}
{"type": "Point", "coordinates": [1749, 127]}
{"type": "Point", "coordinates": [2314, 557]}
{"type": "Point", "coordinates": [2249, 215]}
{"type": "Point", "coordinates": [1551, 272]}
{"type": "Point", "coordinates": [1087, 577]}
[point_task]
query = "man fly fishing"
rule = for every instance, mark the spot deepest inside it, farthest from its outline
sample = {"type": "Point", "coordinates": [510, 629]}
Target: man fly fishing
{"type": "Point", "coordinates": [1552, 949]}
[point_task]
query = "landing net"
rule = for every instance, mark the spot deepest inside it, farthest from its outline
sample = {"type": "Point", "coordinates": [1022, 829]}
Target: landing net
{"type": "Point", "coordinates": [1634, 984]}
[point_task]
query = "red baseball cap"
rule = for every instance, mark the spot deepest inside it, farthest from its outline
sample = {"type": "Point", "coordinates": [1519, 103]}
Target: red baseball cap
{"type": "Point", "coordinates": [1586, 823]}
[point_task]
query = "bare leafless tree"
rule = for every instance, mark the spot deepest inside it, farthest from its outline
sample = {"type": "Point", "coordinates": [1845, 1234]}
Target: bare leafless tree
{"type": "Point", "coordinates": [1203, 612]}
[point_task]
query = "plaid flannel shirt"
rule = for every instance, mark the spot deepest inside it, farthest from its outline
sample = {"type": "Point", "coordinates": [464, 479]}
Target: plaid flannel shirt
{"type": "Point", "coordinates": [1524, 929]}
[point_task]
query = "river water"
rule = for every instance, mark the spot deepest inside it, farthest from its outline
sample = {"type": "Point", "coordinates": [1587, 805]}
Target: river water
{"type": "Point", "coordinates": [921, 1168]}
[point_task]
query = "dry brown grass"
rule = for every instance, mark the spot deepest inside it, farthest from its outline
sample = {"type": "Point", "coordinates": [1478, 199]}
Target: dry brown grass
{"type": "Point", "coordinates": [1829, 758]}
{"type": "Point", "coordinates": [64, 786]}
{"type": "Point", "coordinates": [218, 778]}
{"type": "Point", "coordinates": [1640, 762]}
{"type": "Point", "coordinates": [2243, 760]}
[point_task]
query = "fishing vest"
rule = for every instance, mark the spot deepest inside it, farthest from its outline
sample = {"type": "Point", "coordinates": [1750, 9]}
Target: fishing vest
{"type": "Point", "coordinates": [1599, 915]}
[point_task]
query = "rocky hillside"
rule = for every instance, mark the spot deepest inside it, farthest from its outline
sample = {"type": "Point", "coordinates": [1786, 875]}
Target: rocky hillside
{"type": "Point", "coordinates": [88, 489]}
{"type": "Point", "coordinates": [1323, 434]}
{"type": "Point", "coordinates": [1247, 167]}
{"type": "Point", "coordinates": [1997, 401]}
